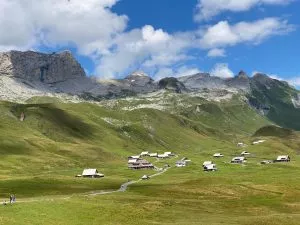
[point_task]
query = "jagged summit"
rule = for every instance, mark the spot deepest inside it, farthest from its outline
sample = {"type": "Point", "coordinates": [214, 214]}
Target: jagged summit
{"type": "Point", "coordinates": [138, 74]}
{"type": "Point", "coordinates": [242, 74]}
{"type": "Point", "coordinates": [28, 74]}
{"type": "Point", "coordinates": [171, 83]}
{"type": "Point", "coordinates": [36, 66]}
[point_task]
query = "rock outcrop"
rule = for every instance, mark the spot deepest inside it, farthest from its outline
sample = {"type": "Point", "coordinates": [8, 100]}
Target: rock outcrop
{"type": "Point", "coordinates": [34, 66]}
{"type": "Point", "coordinates": [241, 81]}
{"type": "Point", "coordinates": [172, 84]}
{"type": "Point", "coordinates": [206, 81]}
{"type": "Point", "coordinates": [202, 81]}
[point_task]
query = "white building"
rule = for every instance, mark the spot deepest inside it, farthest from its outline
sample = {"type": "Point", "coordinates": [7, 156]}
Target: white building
{"type": "Point", "coordinates": [218, 155]}
{"type": "Point", "coordinates": [207, 163]}
{"type": "Point", "coordinates": [238, 160]}
{"type": "Point", "coordinates": [210, 167]}
{"type": "Point", "coordinates": [168, 153]}
{"type": "Point", "coordinates": [258, 142]}
{"type": "Point", "coordinates": [92, 173]}
{"type": "Point", "coordinates": [144, 154]}
{"type": "Point", "coordinates": [283, 158]}
{"type": "Point", "coordinates": [132, 160]}
{"type": "Point", "coordinates": [134, 157]}
{"type": "Point", "coordinates": [145, 177]}
{"type": "Point", "coordinates": [162, 156]}
{"type": "Point", "coordinates": [245, 153]}
{"type": "Point", "coordinates": [241, 144]}
{"type": "Point", "coordinates": [153, 154]}
{"type": "Point", "coordinates": [180, 164]}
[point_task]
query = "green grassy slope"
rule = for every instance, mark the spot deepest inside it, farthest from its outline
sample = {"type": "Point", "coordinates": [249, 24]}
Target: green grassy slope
{"type": "Point", "coordinates": [40, 156]}
{"type": "Point", "coordinates": [277, 97]}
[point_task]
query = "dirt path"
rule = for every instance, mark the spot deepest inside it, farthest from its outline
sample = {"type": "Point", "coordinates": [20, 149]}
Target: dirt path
{"type": "Point", "coordinates": [123, 188]}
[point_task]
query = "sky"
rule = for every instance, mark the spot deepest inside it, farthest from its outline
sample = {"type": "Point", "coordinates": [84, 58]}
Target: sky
{"type": "Point", "coordinates": [112, 38]}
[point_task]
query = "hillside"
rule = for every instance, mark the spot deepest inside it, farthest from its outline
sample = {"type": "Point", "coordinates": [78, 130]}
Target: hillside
{"type": "Point", "coordinates": [41, 155]}
{"type": "Point", "coordinates": [50, 132]}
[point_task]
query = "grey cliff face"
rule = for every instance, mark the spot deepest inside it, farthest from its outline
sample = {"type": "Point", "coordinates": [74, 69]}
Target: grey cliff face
{"type": "Point", "coordinates": [34, 66]}
{"type": "Point", "coordinates": [139, 82]}
{"type": "Point", "coordinates": [241, 81]}
{"type": "Point", "coordinates": [201, 81]}
{"type": "Point", "coordinates": [27, 74]}
{"type": "Point", "coordinates": [205, 81]}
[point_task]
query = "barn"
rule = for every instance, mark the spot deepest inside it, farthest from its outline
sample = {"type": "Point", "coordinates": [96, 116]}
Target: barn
{"type": "Point", "coordinates": [91, 173]}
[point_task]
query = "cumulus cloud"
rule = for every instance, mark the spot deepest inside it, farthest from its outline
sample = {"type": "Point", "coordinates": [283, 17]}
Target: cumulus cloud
{"type": "Point", "coordinates": [146, 48]}
{"type": "Point", "coordinates": [97, 32]}
{"type": "Point", "coordinates": [84, 24]}
{"type": "Point", "coordinates": [223, 34]}
{"type": "Point", "coordinates": [216, 52]}
{"type": "Point", "coordinates": [221, 70]}
{"type": "Point", "coordinates": [294, 81]}
{"type": "Point", "coordinates": [206, 9]}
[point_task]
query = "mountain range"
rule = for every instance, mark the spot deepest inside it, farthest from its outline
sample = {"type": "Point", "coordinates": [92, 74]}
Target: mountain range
{"type": "Point", "coordinates": [24, 75]}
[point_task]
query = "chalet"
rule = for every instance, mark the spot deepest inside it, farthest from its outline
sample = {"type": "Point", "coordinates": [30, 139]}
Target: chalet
{"type": "Point", "coordinates": [186, 160]}
{"type": "Point", "coordinates": [140, 164]}
{"type": "Point", "coordinates": [210, 167]}
{"type": "Point", "coordinates": [169, 153]}
{"type": "Point", "coordinates": [245, 153]}
{"type": "Point", "coordinates": [238, 160]}
{"type": "Point", "coordinates": [283, 158]}
{"type": "Point", "coordinates": [241, 144]}
{"type": "Point", "coordinates": [258, 142]}
{"type": "Point", "coordinates": [91, 173]}
{"type": "Point", "coordinates": [132, 160]}
{"type": "Point", "coordinates": [218, 155]}
{"type": "Point", "coordinates": [207, 163]}
{"type": "Point", "coordinates": [180, 163]}
{"type": "Point", "coordinates": [145, 177]}
{"type": "Point", "coordinates": [153, 154]}
{"type": "Point", "coordinates": [134, 157]}
{"type": "Point", "coordinates": [162, 156]}
{"type": "Point", "coordinates": [144, 154]}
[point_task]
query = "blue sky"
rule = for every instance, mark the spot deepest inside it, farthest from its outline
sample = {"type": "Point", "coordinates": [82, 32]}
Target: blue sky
{"type": "Point", "coordinates": [112, 38]}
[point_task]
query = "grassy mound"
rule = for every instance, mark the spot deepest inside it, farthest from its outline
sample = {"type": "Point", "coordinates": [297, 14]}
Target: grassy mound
{"type": "Point", "coordinates": [274, 131]}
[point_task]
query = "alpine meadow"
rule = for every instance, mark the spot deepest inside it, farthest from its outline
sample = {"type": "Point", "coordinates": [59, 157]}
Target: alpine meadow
{"type": "Point", "coordinates": [105, 119]}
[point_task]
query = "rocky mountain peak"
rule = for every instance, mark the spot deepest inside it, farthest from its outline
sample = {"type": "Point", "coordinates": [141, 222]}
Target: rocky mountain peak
{"type": "Point", "coordinates": [138, 74]}
{"type": "Point", "coordinates": [35, 66]}
{"type": "Point", "coordinates": [262, 79]}
{"type": "Point", "coordinates": [171, 83]}
{"type": "Point", "coordinates": [242, 74]}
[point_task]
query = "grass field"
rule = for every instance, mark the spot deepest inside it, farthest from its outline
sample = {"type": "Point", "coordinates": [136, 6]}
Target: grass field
{"type": "Point", "coordinates": [41, 156]}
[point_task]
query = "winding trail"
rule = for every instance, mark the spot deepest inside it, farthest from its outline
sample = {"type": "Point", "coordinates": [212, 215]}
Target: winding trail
{"type": "Point", "coordinates": [122, 188]}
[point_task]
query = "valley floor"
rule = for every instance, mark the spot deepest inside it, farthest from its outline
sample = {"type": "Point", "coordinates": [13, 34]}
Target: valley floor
{"type": "Point", "coordinates": [235, 194]}
{"type": "Point", "coordinates": [40, 156]}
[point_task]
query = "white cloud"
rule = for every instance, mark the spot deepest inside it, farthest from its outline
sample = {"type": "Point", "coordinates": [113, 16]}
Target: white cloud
{"type": "Point", "coordinates": [223, 34]}
{"type": "Point", "coordinates": [154, 36]}
{"type": "Point", "coordinates": [221, 70]}
{"type": "Point", "coordinates": [101, 34]}
{"type": "Point", "coordinates": [144, 48]}
{"type": "Point", "coordinates": [56, 22]}
{"type": "Point", "coordinates": [206, 9]}
{"type": "Point", "coordinates": [294, 81]}
{"type": "Point", "coordinates": [216, 52]}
